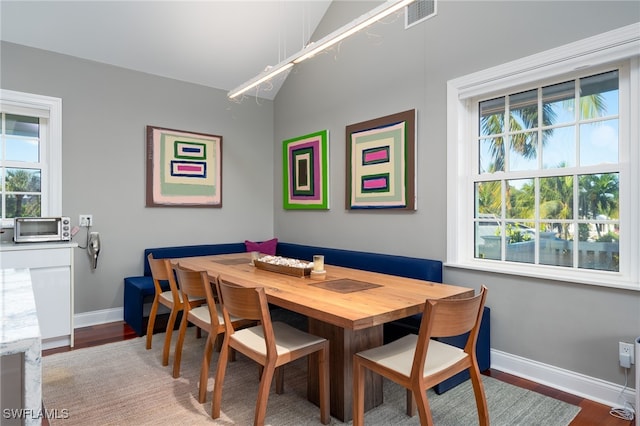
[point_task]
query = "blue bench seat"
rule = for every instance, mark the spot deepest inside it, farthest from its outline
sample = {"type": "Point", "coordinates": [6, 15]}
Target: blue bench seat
{"type": "Point", "coordinates": [139, 290]}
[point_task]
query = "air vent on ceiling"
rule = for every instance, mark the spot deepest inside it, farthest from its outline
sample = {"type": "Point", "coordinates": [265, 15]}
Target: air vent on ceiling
{"type": "Point", "coordinates": [418, 11]}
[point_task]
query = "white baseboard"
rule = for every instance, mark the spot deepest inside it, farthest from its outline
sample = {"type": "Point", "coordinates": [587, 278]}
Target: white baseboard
{"type": "Point", "coordinates": [103, 316]}
{"type": "Point", "coordinates": [591, 388]}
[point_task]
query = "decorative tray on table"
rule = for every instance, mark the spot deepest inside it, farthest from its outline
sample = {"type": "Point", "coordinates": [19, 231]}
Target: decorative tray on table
{"type": "Point", "coordinates": [284, 265]}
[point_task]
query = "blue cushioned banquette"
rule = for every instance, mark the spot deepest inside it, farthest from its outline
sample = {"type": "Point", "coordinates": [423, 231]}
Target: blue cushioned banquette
{"type": "Point", "coordinates": [139, 290]}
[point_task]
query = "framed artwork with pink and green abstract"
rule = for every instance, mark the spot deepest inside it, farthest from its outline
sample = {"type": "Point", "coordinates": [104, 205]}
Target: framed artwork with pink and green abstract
{"type": "Point", "coordinates": [380, 161]}
{"type": "Point", "coordinates": [184, 169]}
{"type": "Point", "coordinates": [305, 179]}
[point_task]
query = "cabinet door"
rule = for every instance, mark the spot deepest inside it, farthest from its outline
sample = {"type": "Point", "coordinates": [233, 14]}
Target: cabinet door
{"type": "Point", "coordinates": [52, 292]}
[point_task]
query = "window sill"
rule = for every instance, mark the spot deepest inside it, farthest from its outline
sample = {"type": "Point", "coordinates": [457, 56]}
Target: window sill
{"type": "Point", "coordinates": [553, 273]}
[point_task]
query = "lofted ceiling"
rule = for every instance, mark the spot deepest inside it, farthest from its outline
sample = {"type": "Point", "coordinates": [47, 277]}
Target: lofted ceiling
{"type": "Point", "coordinates": [220, 44]}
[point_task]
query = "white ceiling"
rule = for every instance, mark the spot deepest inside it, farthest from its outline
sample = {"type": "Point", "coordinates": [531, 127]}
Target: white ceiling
{"type": "Point", "coordinates": [220, 44]}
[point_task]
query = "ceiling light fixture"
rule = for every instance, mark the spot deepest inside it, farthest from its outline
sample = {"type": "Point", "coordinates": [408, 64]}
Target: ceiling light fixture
{"type": "Point", "coordinates": [384, 10]}
{"type": "Point", "coordinates": [265, 75]}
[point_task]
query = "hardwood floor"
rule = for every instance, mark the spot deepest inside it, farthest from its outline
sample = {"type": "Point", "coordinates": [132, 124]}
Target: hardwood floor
{"type": "Point", "coordinates": [591, 413]}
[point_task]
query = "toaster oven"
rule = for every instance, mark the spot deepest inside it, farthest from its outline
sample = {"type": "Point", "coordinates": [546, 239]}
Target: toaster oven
{"type": "Point", "coordinates": [41, 229]}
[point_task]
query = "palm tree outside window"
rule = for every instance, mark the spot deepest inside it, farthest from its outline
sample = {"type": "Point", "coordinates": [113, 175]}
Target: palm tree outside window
{"type": "Point", "coordinates": [547, 180]}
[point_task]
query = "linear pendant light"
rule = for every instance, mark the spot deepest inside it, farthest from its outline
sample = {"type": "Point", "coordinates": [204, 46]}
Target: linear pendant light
{"type": "Point", "coordinates": [384, 10]}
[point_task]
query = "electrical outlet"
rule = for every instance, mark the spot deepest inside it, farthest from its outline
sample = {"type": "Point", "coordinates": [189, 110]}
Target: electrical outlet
{"type": "Point", "coordinates": [625, 351]}
{"type": "Point", "coordinates": [86, 220]}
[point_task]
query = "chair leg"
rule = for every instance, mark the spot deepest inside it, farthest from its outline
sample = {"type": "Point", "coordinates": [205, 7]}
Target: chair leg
{"type": "Point", "coordinates": [221, 369]}
{"type": "Point", "coordinates": [204, 370]}
{"type": "Point", "coordinates": [177, 356]}
{"type": "Point", "coordinates": [478, 391]}
{"type": "Point", "coordinates": [168, 335]}
{"type": "Point", "coordinates": [424, 410]}
{"type": "Point", "coordinates": [323, 383]}
{"type": "Point", "coordinates": [152, 320]}
{"type": "Point", "coordinates": [358, 392]}
{"type": "Point", "coordinates": [263, 394]}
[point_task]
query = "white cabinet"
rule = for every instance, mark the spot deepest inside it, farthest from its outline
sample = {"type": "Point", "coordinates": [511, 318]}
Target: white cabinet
{"type": "Point", "coordinates": [51, 268]}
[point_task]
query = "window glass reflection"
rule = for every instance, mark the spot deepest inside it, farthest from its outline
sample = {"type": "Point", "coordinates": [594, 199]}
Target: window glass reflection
{"type": "Point", "coordinates": [18, 125]}
{"type": "Point", "coordinates": [26, 150]}
{"type": "Point", "coordinates": [558, 103]}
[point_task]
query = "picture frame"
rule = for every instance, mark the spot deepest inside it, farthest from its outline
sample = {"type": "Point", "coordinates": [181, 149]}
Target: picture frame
{"type": "Point", "coordinates": [305, 172]}
{"type": "Point", "coordinates": [381, 163]}
{"type": "Point", "coordinates": [183, 168]}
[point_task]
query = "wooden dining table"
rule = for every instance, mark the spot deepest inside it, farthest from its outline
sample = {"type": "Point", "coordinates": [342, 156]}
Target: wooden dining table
{"type": "Point", "coordinates": [348, 307]}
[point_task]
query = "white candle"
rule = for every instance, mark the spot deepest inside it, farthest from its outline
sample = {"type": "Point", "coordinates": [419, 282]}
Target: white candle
{"type": "Point", "coordinates": [318, 262]}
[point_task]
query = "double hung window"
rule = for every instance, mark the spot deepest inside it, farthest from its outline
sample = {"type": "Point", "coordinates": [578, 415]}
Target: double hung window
{"type": "Point", "coordinates": [547, 184]}
{"type": "Point", "coordinates": [30, 156]}
{"type": "Point", "coordinates": [21, 166]}
{"type": "Point", "coordinates": [543, 165]}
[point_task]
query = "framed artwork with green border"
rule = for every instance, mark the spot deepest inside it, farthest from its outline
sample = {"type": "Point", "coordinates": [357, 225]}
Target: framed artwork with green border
{"type": "Point", "coordinates": [381, 163]}
{"type": "Point", "coordinates": [184, 169]}
{"type": "Point", "coordinates": [305, 172]}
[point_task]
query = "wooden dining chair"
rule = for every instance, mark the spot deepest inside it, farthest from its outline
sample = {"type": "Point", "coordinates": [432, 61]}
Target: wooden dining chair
{"type": "Point", "coordinates": [161, 270]}
{"type": "Point", "coordinates": [201, 310]}
{"type": "Point", "coordinates": [270, 344]}
{"type": "Point", "coordinates": [418, 362]}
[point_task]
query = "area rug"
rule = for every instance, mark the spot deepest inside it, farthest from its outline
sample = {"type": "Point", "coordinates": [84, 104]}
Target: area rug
{"type": "Point", "coordinates": [122, 383]}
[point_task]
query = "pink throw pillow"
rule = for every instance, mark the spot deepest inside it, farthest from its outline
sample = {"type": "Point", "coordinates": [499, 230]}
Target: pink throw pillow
{"type": "Point", "coordinates": [265, 247]}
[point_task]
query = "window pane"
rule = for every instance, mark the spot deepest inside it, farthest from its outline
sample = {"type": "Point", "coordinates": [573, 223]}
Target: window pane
{"type": "Point", "coordinates": [492, 117]}
{"type": "Point", "coordinates": [519, 250]}
{"type": "Point", "coordinates": [19, 205]}
{"type": "Point", "coordinates": [523, 111]}
{"type": "Point", "coordinates": [599, 95]}
{"type": "Point", "coordinates": [558, 103]}
{"type": "Point", "coordinates": [599, 196]}
{"type": "Point", "coordinates": [599, 247]}
{"type": "Point", "coordinates": [523, 151]}
{"type": "Point", "coordinates": [491, 155]}
{"type": "Point", "coordinates": [556, 248]}
{"type": "Point", "coordinates": [18, 125]}
{"type": "Point", "coordinates": [559, 147]}
{"type": "Point", "coordinates": [26, 150]}
{"type": "Point", "coordinates": [488, 207]}
{"type": "Point", "coordinates": [488, 199]}
{"type": "Point", "coordinates": [599, 142]}
{"type": "Point", "coordinates": [488, 243]}
{"type": "Point", "coordinates": [520, 199]}
{"type": "Point", "coordinates": [23, 180]}
{"type": "Point", "coordinates": [556, 197]}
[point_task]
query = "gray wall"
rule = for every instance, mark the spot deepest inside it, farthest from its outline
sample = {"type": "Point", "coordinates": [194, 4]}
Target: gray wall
{"type": "Point", "coordinates": [570, 326]}
{"type": "Point", "coordinates": [105, 111]}
{"type": "Point", "coordinates": [386, 70]}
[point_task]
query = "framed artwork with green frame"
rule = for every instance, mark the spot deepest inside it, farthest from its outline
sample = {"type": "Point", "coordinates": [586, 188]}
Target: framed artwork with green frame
{"type": "Point", "coordinates": [305, 172]}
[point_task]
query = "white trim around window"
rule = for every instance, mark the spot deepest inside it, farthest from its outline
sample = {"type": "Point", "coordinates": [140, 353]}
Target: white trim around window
{"type": "Point", "coordinates": [51, 109]}
{"type": "Point", "coordinates": [617, 46]}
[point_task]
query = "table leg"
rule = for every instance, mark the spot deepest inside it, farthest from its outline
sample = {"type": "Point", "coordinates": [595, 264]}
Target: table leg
{"type": "Point", "coordinates": [343, 345]}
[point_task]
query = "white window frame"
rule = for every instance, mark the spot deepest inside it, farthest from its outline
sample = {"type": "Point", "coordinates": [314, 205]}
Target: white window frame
{"type": "Point", "coordinates": [614, 47]}
{"type": "Point", "coordinates": [29, 104]}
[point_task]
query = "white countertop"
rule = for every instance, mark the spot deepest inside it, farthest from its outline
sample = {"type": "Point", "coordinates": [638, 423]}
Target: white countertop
{"type": "Point", "coordinates": [11, 246]}
{"type": "Point", "coordinates": [18, 317]}
{"type": "Point", "coordinates": [19, 332]}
